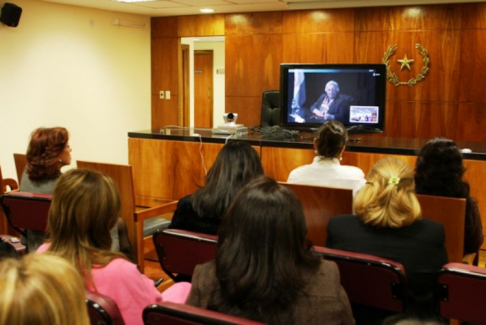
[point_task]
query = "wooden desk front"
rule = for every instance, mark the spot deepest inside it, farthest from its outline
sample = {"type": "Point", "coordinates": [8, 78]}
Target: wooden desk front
{"type": "Point", "coordinates": [171, 167]}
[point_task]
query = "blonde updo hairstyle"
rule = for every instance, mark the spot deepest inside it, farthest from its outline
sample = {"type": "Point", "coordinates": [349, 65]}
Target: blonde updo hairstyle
{"type": "Point", "coordinates": [388, 199]}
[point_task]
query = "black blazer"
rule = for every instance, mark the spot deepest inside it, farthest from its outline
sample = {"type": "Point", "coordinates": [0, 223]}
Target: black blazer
{"type": "Point", "coordinates": [419, 248]}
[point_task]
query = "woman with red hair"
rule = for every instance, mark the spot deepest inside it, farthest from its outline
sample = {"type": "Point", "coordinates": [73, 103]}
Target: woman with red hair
{"type": "Point", "coordinates": [47, 153]}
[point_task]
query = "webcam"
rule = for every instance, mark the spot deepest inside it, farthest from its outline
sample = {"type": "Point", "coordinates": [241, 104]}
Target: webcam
{"type": "Point", "coordinates": [230, 118]}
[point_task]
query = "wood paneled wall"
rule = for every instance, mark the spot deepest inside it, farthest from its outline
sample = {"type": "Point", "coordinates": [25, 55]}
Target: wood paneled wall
{"type": "Point", "coordinates": [448, 102]}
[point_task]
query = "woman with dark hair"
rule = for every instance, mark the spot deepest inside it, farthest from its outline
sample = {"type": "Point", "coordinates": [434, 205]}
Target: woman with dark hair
{"type": "Point", "coordinates": [439, 171]}
{"type": "Point", "coordinates": [265, 269]}
{"type": "Point", "coordinates": [47, 153]}
{"type": "Point", "coordinates": [326, 169]}
{"type": "Point", "coordinates": [236, 164]}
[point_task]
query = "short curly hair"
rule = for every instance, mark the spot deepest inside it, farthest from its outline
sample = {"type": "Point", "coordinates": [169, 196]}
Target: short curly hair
{"type": "Point", "coordinates": [46, 144]}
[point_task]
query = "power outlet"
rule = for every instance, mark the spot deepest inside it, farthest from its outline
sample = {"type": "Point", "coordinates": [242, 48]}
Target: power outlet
{"type": "Point", "coordinates": [167, 94]}
{"type": "Point", "coordinates": [161, 94]}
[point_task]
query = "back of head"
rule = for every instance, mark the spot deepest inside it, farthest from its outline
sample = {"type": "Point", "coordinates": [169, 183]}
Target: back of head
{"type": "Point", "coordinates": [41, 289]}
{"type": "Point", "coordinates": [45, 146]}
{"type": "Point", "coordinates": [262, 252]}
{"type": "Point", "coordinates": [332, 136]}
{"type": "Point", "coordinates": [439, 169]}
{"type": "Point", "coordinates": [236, 164]}
{"type": "Point", "coordinates": [85, 207]}
{"type": "Point", "coordinates": [388, 198]}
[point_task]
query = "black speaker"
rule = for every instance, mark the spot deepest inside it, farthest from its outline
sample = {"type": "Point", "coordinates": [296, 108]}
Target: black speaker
{"type": "Point", "coordinates": [10, 14]}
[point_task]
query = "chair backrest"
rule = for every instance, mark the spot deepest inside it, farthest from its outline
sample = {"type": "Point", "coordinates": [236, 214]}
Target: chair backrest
{"type": "Point", "coordinates": [122, 176]}
{"type": "Point", "coordinates": [461, 290]}
{"type": "Point", "coordinates": [20, 163]}
{"type": "Point", "coordinates": [320, 204]}
{"type": "Point", "coordinates": [25, 210]}
{"type": "Point", "coordinates": [451, 213]}
{"type": "Point", "coordinates": [270, 108]}
{"type": "Point", "coordinates": [167, 313]}
{"type": "Point", "coordinates": [102, 310]}
{"type": "Point", "coordinates": [179, 251]}
{"type": "Point", "coordinates": [6, 185]}
{"type": "Point", "coordinates": [370, 280]}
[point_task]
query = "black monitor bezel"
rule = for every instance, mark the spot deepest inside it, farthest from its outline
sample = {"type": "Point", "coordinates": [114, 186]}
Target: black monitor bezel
{"type": "Point", "coordinates": [380, 94]}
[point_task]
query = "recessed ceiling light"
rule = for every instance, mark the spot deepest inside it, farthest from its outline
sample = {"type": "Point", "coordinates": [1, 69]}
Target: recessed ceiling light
{"type": "Point", "coordinates": [206, 10]}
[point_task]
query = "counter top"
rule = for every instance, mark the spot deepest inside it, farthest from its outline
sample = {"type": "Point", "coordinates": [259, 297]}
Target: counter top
{"type": "Point", "coordinates": [278, 137]}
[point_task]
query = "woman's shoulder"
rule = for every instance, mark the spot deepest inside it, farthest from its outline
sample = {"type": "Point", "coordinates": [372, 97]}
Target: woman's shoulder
{"type": "Point", "coordinates": [324, 278]}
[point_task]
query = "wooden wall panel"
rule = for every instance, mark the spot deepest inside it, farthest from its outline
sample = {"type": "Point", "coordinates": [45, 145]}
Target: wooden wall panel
{"type": "Point", "coordinates": [433, 17]}
{"type": "Point", "coordinates": [318, 48]}
{"type": "Point", "coordinates": [318, 21]}
{"type": "Point", "coordinates": [254, 23]}
{"type": "Point", "coordinates": [165, 74]}
{"type": "Point", "coordinates": [252, 64]}
{"type": "Point", "coordinates": [203, 25]}
{"type": "Point", "coordinates": [420, 119]}
{"type": "Point", "coordinates": [279, 162]}
{"type": "Point", "coordinates": [474, 16]}
{"type": "Point", "coordinates": [443, 47]}
{"type": "Point", "coordinates": [473, 60]}
{"type": "Point", "coordinates": [257, 43]}
{"type": "Point", "coordinates": [164, 112]}
{"type": "Point", "coordinates": [249, 109]}
{"type": "Point", "coordinates": [471, 122]}
{"type": "Point", "coordinates": [163, 27]}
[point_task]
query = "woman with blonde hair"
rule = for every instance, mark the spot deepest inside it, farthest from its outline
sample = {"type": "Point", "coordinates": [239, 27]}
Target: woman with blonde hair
{"type": "Point", "coordinates": [41, 289]}
{"type": "Point", "coordinates": [388, 224]}
{"type": "Point", "coordinates": [85, 206]}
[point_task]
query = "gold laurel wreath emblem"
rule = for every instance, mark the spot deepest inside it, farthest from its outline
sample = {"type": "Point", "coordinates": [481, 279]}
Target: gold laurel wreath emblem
{"type": "Point", "coordinates": [393, 78]}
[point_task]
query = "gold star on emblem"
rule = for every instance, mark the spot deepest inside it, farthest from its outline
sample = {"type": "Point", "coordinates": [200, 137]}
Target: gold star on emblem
{"type": "Point", "coordinates": [405, 62]}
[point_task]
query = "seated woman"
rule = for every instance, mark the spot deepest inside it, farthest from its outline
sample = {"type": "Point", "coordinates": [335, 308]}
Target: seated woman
{"type": "Point", "coordinates": [85, 206]}
{"type": "Point", "coordinates": [41, 289]}
{"type": "Point", "coordinates": [388, 224]}
{"type": "Point", "coordinates": [236, 164]}
{"type": "Point", "coordinates": [326, 169]}
{"type": "Point", "coordinates": [265, 268]}
{"type": "Point", "coordinates": [47, 153]}
{"type": "Point", "coordinates": [439, 171]}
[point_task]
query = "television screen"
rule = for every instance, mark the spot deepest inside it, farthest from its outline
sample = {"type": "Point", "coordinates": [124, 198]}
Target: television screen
{"type": "Point", "coordinates": [354, 94]}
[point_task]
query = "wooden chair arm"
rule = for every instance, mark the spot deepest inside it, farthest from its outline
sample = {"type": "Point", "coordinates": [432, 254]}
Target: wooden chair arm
{"type": "Point", "coordinates": [10, 182]}
{"type": "Point", "coordinates": [469, 258]}
{"type": "Point", "coordinates": [142, 215]}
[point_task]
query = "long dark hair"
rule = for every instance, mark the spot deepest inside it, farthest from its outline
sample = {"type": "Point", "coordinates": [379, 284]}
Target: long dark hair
{"type": "Point", "coordinates": [439, 171]}
{"type": "Point", "coordinates": [236, 164]}
{"type": "Point", "coordinates": [263, 250]}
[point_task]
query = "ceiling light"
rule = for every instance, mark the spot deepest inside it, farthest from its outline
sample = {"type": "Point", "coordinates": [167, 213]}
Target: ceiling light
{"type": "Point", "coordinates": [206, 10]}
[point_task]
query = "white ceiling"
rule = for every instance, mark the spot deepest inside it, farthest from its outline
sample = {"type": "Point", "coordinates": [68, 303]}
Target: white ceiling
{"type": "Point", "coordinates": [191, 7]}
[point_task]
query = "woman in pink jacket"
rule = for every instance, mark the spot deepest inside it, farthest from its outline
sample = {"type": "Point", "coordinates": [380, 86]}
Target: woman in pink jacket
{"type": "Point", "coordinates": [85, 206]}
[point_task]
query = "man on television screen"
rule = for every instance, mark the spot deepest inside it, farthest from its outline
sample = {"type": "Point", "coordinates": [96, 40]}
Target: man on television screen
{"type": "Point", "coordinates": [331, 105]}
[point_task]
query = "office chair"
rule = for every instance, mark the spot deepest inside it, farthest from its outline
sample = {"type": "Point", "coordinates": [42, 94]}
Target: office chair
{"type": "Point", "coordinates": [270, 108]}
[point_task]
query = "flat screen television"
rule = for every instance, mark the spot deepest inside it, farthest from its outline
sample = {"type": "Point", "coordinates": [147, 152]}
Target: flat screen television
{"type": "Point", "coordinates": [354, 94]}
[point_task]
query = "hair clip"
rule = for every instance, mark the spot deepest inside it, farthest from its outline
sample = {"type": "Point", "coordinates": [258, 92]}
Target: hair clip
{"type": "Point", "coordinates": [394, 180]}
